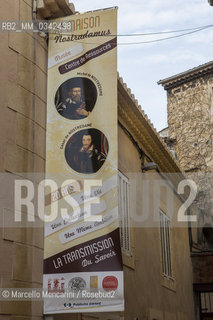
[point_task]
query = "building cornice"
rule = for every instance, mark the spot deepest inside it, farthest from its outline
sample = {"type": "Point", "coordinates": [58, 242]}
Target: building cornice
{"type": "Point", "coordinates": [186, 76]}
{"type": "Point", "coordinates": [136, 121]}
{"type": "Point", "coordinates": [143, 130]}
{"type": "Point", "coordinates": [51, 9]}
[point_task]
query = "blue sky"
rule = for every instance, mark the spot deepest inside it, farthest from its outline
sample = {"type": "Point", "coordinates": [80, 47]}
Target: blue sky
{"type": "Point", "coordinates": [142, 65]}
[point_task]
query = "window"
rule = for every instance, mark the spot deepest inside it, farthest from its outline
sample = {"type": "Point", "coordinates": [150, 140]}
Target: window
{"type": "Point", "coordinates": [165, 244]}
{"type": "Point", "coordinates": [206, 302]}
{"type": "Point", "coordinates": [123, 207]}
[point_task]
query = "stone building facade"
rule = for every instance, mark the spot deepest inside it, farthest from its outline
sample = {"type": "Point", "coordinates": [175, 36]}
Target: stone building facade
{"type": "Point", "coordinates": [190, 123]}
{"type": "Point", "coordinates": [23, 66]}
{"type": "Point", "coordinates": [190, 117]}
{"type": "Point", "coordinates": [149, 293]}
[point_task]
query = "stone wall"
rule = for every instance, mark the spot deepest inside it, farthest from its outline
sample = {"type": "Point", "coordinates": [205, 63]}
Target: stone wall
{"type": "Point", "coordinates": [190, 119]}
{"type": "Point", "coordinates": [22, 138]}
{"type": "Point", "coordinates": [23, 68]}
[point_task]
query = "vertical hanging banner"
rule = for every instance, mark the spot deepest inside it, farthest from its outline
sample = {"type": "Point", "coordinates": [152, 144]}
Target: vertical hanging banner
{"type": "Point", "coordinates": [82, 255]}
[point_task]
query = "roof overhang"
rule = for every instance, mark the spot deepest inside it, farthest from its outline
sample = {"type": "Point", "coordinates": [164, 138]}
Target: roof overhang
{"type": "Point", "coordinates": [136, 121]}
{"type": "Point", "coordinates": [186, 76]}
{"type": "Point", "coordinates": [142, 129]}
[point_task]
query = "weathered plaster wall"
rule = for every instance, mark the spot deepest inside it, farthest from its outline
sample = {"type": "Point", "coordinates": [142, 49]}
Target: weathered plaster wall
{"type": "Point", "coordinates": [148, 294]}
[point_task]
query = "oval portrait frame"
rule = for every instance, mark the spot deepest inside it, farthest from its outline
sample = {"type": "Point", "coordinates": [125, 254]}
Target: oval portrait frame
{"type": "Point", "coordinates": [75, 98]}
{"type": "Point", "coordinates": [86, 151]}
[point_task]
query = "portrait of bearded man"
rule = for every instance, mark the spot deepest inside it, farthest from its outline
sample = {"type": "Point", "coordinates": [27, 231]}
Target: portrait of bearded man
{"type": "Point", "coordinates": [74, 107]}
{"type": "Point", "coordinates": [76, 98]}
